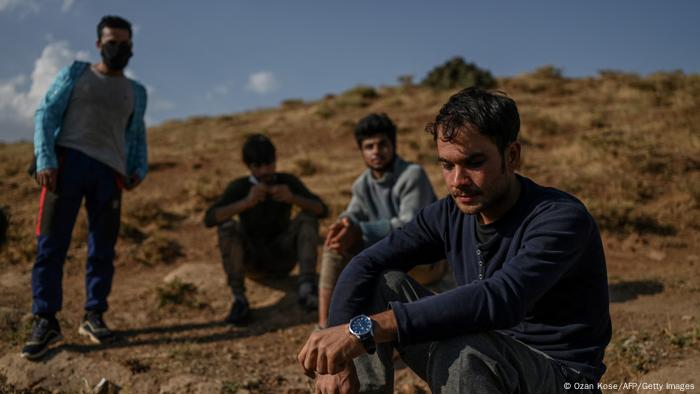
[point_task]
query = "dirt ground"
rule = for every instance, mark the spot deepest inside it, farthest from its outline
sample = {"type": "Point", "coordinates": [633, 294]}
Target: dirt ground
{"type": "Point", "coordinates": [169, 295]}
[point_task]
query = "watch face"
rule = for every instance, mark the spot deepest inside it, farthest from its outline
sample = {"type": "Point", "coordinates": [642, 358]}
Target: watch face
{"type": "Point", "coordinates": [361, 325]}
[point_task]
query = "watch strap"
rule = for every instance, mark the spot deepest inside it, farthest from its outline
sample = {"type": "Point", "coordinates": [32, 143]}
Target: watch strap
{"type": "Point", "coordinates": [369, 344]}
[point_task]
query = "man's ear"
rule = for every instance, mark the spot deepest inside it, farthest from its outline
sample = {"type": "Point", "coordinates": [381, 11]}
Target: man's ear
{"type": "Point", "coordinates": [513, 157]}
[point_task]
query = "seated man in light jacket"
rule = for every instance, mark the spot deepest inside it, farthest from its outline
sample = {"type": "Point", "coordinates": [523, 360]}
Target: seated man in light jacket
{"type": "Point", "coordinates": [386, 196]}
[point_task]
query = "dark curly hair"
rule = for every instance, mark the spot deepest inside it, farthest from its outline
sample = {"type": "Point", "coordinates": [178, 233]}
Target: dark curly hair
{"type": "Point", "coordinates": [494, 114]}
{"type": "Point", "coordinates": [258, 150]}
{"type": "Point", "coordinates": [374, 124]}
{"type": "Point", "coordinates": [114, 22]}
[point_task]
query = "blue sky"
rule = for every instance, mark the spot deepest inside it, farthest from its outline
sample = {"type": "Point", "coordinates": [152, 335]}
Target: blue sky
{"type": "Point", "coordinates": [218, 57]}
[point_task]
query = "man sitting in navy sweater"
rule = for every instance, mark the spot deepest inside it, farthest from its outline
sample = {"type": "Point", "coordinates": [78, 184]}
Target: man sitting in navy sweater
{"type": "Point", "coordinates": [530, 313]}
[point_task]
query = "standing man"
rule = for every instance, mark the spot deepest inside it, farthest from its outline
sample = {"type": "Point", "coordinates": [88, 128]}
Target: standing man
{"type": "Point", "coordinates": [89, 142]}
{"type": "Point", "coordinates": [385, 197]}
{"type": "Point", "coordinates": [265, 242]}
{"type": "Point", "coordinates": [530, 313]}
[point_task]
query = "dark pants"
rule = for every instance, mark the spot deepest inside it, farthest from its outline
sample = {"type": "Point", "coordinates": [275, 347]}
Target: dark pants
{"type": "Point", "coordinates": [259, 258]}
{"type": "Point", "coordinates": [78, 176]}
{"type": "Point", "coordinates": [488, 362]}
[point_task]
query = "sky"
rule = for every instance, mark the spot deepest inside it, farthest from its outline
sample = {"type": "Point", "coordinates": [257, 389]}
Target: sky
{"type": "Point", "coordinates": [222, 56]}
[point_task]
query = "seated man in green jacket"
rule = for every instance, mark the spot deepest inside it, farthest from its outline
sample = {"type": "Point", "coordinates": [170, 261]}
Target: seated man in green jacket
{"type": "Point", "coordinates": [265, 242]}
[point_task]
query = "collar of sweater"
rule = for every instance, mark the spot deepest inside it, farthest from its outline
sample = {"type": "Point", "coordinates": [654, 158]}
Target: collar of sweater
{"type": "Point", "coordinates": [389, 176]}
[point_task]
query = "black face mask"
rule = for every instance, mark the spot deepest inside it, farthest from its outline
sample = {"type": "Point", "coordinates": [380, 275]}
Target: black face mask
{"type": "Point", "coordinates": [116, 55]}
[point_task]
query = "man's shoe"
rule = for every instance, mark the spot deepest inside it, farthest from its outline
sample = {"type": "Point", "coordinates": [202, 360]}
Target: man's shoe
{"type": "Point", "coordinates": [93, 327]}
{"type": "Point", "coordinates": [45, 331]}
{"type": "Point", "coordinates": [307, 296]}
{"type": "Point", "coordinates": [239, 311]}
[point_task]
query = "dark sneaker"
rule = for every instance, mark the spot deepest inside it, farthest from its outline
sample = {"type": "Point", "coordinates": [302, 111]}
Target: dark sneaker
{"type": "Point", "coordinates": [45, 331]}
{"type": "Point", "coordinates": [239, 311]}
{"type": "Point", "coordinates": [307, 296]}
{"type": "Point", "coordinates": [95, 328]}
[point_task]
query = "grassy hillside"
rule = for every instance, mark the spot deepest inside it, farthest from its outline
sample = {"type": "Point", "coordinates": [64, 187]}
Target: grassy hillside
{"type": "Point", "coordinates": [628, 146]}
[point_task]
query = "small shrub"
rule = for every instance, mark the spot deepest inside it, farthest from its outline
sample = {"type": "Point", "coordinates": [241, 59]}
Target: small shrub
{"type": "Point", "coordinates": [693, 187]}
{"type": "Point", "coordinates": [131, 233]}
{"type": "Point", "coordinates": [305, 167]}
{"type": "Point", "coordinates": [158, 249]}
{"type": "Point", "coordinates": [13, 328]}
{"type": "Point", "coordinates": [426, 158]}
{"type": "Point", "coordinates": [358, 97]}
{"type": "Point", "coordinates": [621, 218]}
{"type": "Point", "coordinates": [292, 103]}
{"type": "Point", "coordinates": [542, 124]}
{"type": "Point", "coordinates": [19, 243]}
{"type": "Point", "coordinates": [548, 72]}
{"type": "Point", "coordinates": [457, 74]}
{"type": "Point", "coordinates": [362, 91]}
{"type": "Point", "coordinates": [396, 102]}
{"type": "Point", "coordinates": [176, 293]}
{"type": "Point", "coordinates": [152, 213]}
{"type": "Point", "coordinates": [598, 121]}
{"type": "Point", "coordinates": [204, 189]}
{"type": "Point", "coordinates": [347, 125]}
{"type": "Point", "coordinates": [324, 111]}
{"type": "Point", "coordinates": [136, 366]}
{"type": "Point", "coordinates": [230, 387]}
{"type": "Point", "coordinates": [405, 81]}
{"type": "Point", "coordinates": [617, 75]}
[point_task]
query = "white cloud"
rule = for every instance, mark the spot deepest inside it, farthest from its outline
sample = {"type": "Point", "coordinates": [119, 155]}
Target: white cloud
{"type": "Point", "coordinates": [220, 90]}
{"type": "Point", "coordinates": [156, 103]}
{"type": "Point", "coordinates": [67, 5]}
{"type": "Point", "coordinates": [19, 101]}
{"type": "Point", "coordinates": [262, 82]}
{"type": "Point", "coordinates": [25, 5]}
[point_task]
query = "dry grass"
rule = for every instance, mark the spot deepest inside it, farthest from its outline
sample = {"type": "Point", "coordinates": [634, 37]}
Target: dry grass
{"type": "Point", "coordinates": [627, 145]}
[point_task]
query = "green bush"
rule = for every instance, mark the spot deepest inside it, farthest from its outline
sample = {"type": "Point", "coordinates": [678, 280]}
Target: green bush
{"type": "Point", "coordinates": [548, 72]}
{"type": "Point", "coordinates": [457, 74]}
{"type": "Point", "coordinates": [362, 91]}
{"type": "Point", "coordinates": [292, 103]}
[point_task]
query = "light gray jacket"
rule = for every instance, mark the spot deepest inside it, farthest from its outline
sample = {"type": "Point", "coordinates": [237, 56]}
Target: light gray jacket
{"type": "Point", "coordinates": [379, 206]}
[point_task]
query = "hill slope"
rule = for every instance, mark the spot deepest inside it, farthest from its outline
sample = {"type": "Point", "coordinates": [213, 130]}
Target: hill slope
{"type": "Point", "coordinates": [628, 146]}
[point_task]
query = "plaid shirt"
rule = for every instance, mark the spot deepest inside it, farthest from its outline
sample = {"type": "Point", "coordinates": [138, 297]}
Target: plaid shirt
{"type": "Point", "coordinates": [48, 121]}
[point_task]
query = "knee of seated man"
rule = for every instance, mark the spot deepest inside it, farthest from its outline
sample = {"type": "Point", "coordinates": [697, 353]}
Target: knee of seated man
{"type": "Point", "coordinates": [469, 347]}
{"type": "Point", "coordinates": [306, 217]}
{"type": "Point", "coordinates": [393, 279]}
{"type": "Point", "coordinates": [228, 229]}
{"type": "Point", "coordinates": [470, 358]}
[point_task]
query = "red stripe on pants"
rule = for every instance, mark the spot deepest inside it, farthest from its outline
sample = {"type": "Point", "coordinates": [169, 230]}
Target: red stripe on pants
{"type": "Point", "coordinates": [41, 211]}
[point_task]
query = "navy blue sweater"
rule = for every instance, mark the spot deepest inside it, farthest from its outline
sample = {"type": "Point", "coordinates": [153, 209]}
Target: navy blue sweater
{"type": "Point", "coordinates": [545, 281]}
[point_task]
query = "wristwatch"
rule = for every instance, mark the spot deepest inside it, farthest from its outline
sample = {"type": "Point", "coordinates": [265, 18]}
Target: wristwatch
{"type": "Point", "coordinates": [361, 327]}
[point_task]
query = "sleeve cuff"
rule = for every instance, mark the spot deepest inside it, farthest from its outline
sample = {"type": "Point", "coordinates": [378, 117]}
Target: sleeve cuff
{"type": "Point", "coordinates": [402, 337]}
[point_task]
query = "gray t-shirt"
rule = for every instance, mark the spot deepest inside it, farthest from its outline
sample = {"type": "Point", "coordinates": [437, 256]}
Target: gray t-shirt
{"type": "Point", "coordinates": [97, 117]}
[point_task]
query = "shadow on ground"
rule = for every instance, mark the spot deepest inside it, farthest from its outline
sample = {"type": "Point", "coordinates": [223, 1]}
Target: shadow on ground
{"type": "Point", "coordinates": [627, 291]}
{"type": "Point", "coordinates": [284, 313]}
